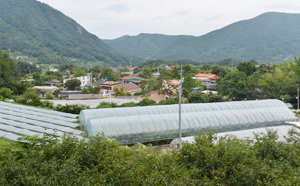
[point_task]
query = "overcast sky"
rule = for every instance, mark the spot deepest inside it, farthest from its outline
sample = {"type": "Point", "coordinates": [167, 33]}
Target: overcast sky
{"type": "Point", "coordinates": [115, 18]}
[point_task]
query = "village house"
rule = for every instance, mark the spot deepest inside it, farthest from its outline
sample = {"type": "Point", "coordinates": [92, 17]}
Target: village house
{"type": "Point", "coordinates": [206, 78]}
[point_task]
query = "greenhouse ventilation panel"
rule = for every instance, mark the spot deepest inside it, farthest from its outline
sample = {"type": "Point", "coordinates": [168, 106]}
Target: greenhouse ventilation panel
{"type": "Point", "coordinates": [86, 115]}
{"type": "Point", "coordinates": [154, 127]}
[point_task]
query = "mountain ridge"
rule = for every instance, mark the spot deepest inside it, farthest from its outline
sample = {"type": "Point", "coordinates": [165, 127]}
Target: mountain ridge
{"type": "Point", "coordinates": [38, 30]}
{"type": "Point", "coordinates": [143, 45]}
{"type": "Point", "coordinates": [268, 37]}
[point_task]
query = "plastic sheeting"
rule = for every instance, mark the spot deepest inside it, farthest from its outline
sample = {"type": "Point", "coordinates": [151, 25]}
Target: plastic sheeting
{"type": "Point", "coordinates": [86, 115]}
{"type": "Point", "coordinates": [38, 110]}
{"type": "Point", "coordinates": [244, 134]}
{"type": "Point", "coordinates": [18, 120]}
{"type": "Point", "coordinates": [154, 127]}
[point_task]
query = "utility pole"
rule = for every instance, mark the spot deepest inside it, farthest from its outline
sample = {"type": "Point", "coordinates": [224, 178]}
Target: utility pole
{"type": "Point", "coordinates": [180, 86]}
{"type": "Point", "coordinates": [297, 98]}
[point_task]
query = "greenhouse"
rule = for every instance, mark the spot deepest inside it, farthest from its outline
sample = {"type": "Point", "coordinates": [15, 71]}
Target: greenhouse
{"type": "Point", "coordinates": [18, 120]}
{"type": "Point", "coordinates": [86, 115]}
{"type": "Point", "coordinates": [154, 127]}
{"type": "Point", "coordinates": [282, 131]}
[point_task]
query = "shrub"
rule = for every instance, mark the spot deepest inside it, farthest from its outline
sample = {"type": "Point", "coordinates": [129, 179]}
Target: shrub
{"type": "Point", "coordinates": [5, 93]}
{"type": "Point", "coordinates": [46, 104]}
{"type": "Point", "coordinates": [107, 105]}
{"type": "Point", "coordinates": [128, 94]}
{"type": "Point", "coordinates": [138, 93]}
{"type": "Point", "coordinates": [73, 109]}
{"type": "Point", "coordinates": [146, 102]}
{"type": "Point", "coordinates": [130, 104]}
{"type": "Point", "coordinates": [32, 97]}
{"type": "Point", "coordinates": [49, 96]}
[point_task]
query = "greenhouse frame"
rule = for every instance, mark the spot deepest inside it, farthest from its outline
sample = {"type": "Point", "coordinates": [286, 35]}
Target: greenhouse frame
{"type": "Point", "coordinates": [146, 124]}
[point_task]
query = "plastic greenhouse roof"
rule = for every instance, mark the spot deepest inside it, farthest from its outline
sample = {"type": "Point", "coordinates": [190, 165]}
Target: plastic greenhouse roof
{"type": "Point", "coordinates": [18, 120]}
{"type": "Point", "coordinates": [244, 134]}
{"type": "Point", "coordinates": [68, 115]}
{"type": "Point", "coordinates": [145, 128]}
{"type": "Point", "coordinates": [86, 115]}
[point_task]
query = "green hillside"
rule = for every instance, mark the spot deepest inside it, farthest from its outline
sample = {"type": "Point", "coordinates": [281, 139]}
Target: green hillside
{"type": "Point", "coordinates": [35, 29]}
{"type": "Point", "coordinates": [270, 37]}
{"type": "Point", "coordinates": [143, 45]}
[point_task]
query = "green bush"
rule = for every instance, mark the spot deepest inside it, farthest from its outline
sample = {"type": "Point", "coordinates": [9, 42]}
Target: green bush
{"type": "Point", "coordinates": [49, 96]}
{"type": "Point", "coordinates": [107, 105]}
{"type": "Point", "coordinates": [32, 97]}
{"type": "Point", "coordinates": [46, 104]}
{"type": "Point", "coordinates": [21, 100]}
{"type": "Point", "coordinates": [103, 161]}
{"type": "Point", "coordinates": [169, 101]}
{"type": "Point", "coordinates": [128, 94]}
{"type": "Point", "coordinates": [138, 93]}
{"type": "Point", "coordinates": [73, 109]}
{"type": "Point", "coordinates": [146, 102]}
{"type": "Point", "coordinates": [130, 104]}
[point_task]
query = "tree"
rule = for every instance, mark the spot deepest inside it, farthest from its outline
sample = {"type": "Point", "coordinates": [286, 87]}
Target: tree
{"type": "Point", "coordinates": [147, 73]}
{"type": "Point", "coordinates": [79, 72]}
{"type": "Point", "coordinates": [175, 73]}
{"type": "Point", "coordinates": [143, 85]}
{"type": "Point", "coordinates": [32, 96]}
{"type": "Point", "coordinates": [197, 97]}
{"type": "Point", "coordinates": [5, 93]}
{"type": "Point", "coordinates": [188, 84]}
{"type": "Point", "coordinates": [187, 68]}
{"type": "Point", "coordinates": [218, 70]}
{"type": "Point", "coordinates": [234, 84]}
{"type": "Point", "coordinates": [247, 67]}
{"type": "Point", "coordinates": [109, 74]}
{"type": "Point", "coordinates": [206, 67]}
{"type": "Point", "coordinates": [72, 84]}
{"type": "Point", "coordinates": [296, 65]}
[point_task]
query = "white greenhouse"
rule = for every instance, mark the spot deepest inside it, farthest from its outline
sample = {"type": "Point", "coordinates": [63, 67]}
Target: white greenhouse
{"type": "Point", "coordinates": [153, 123]}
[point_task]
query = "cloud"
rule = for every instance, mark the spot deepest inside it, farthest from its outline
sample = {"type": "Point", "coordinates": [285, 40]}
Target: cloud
{"type": "Point", "coordinates": [119, 8]}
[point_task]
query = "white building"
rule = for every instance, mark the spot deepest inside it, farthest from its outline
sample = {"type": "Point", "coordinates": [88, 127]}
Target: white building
{"type": "Point", "coordinates": [54, 70]}
{"type": "Point", "coordinates": [85, 80]}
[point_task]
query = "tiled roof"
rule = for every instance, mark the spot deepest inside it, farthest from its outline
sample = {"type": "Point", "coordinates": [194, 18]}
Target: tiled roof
{"type": "Point", "coordinates": [130, 86]}
{"type": "Point", "coordinates": [209, 75]}
{"type": "Point", "coordinates": [129, 77]}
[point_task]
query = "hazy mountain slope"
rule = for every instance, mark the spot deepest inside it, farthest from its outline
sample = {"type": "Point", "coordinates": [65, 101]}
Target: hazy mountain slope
{"type": "Point", "coordinates": [143, 45]}
{"type": "Point", "coordinates": [35, 29]}
{"type": "Point", "coordinates": [271, 37]}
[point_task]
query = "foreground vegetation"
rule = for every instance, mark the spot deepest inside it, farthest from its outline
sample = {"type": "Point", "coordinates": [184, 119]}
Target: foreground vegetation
{"type": "Point", "coordinates": [103, 161]}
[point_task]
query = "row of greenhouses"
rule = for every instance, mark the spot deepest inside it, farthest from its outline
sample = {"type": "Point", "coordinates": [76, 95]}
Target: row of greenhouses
{"type": "Point", "coordinates": [154, 123]}
{"type": "Point", "coordinates": [19, 120]}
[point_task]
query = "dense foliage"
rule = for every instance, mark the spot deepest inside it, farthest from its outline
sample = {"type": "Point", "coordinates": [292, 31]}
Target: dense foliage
{"type": "Point", "coordinates": [35, 29]}
{"type": "Point", "coordinates": [10, 74]}
{"type": "Point", "coordinates": [102, 161]}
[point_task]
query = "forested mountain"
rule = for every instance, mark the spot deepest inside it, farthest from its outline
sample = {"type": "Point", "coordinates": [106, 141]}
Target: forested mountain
{"type": "Point", "coordinates": [35, 29]}
{"type": "Point", "coordinates": [270, 37]}
{"type": "Point", "coordinates": [143, 45]}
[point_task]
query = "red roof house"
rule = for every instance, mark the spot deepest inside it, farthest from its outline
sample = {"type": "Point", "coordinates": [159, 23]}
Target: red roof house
{"type": "Point", "coordinates": [209, 76]}
{"type": "Point", "coordinates": [130, 77]}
